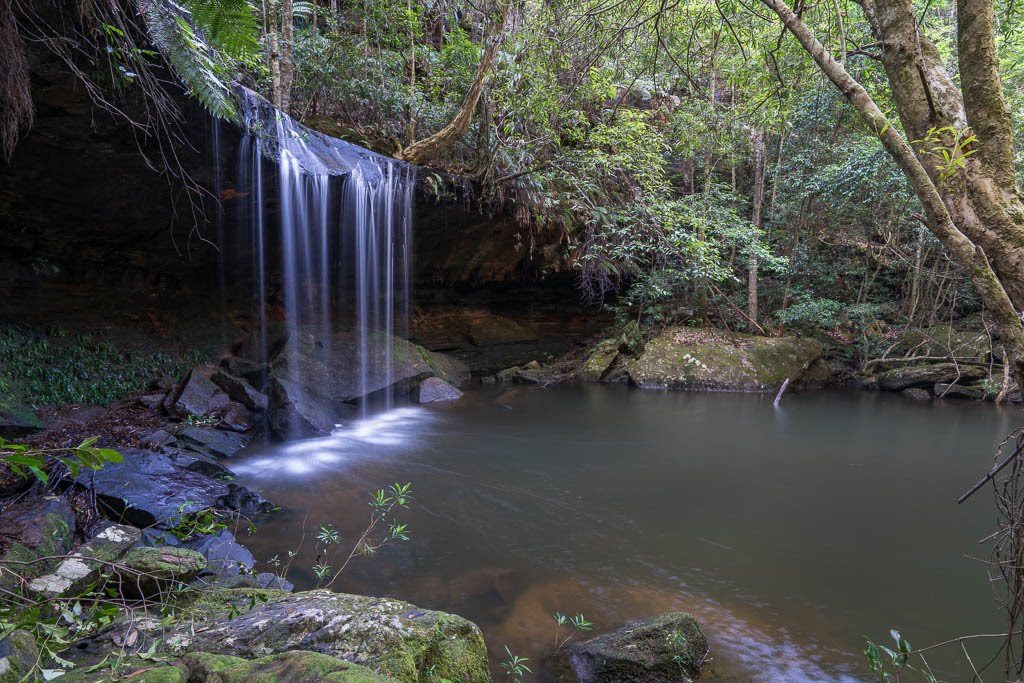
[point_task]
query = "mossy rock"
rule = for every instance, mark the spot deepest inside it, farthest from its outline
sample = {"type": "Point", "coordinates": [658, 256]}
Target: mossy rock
{"type": "Point", "coordinates": [599, 361]}
{"type": "Point", "coordinates": [17, 419]}
{"type": "Point", "coordinates": [451, 370]}
{"type": "Point", "coordinates": [297, 666]}
{"type": "Point", "coordinates": [697, 359]}
{"type": "Point", "coordinates": [18, 656]}
{"type": "Point", "coordinates": [925, 376]}
{"type": "Point", "coordinates": [391, 637]}
{"type": "Point", "coordinates": [670, 648]}
{"type": "Point", "coordinates": [152, 570]}
{"type": "Point", "coordinates": [43, 526]}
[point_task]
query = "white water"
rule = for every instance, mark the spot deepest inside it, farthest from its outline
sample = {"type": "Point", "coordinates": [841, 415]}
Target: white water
{"type": "Point", "coordinates": [340, 240]}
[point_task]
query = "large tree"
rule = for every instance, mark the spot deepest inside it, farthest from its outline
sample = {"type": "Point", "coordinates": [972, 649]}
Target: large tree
{"type": "Point", "coordinates": [955, 147]}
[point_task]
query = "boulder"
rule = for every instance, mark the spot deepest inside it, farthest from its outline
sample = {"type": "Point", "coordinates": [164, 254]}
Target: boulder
{"type": "Point", "coordinates": [17, 419]}
{"type": "Point", "coordinates": [975, 392]}
{"type": "Point", "coordinates": [318, 375]}
{"type": "Point", "coordinates": [390, 636]}
{"type": "Point", "coordinates": [35, 528]}
{"type": "Point", "coordinates": [900, 378]}
{"type": "Point", "coordinates": [18, 657]}
{"type": "Point", "coordinates": [198, 396]}
{"type": "Point", "coordinates": [296, 666]}
{"type": "Point", "coordinates": [224, 556]}
{"type": "Point", "coordinates": [240, 391]}
{"type": "Point", "coordinates": [599, 361]}
{"type": "Point", "coordinates": [945, 341]}
{"type": "Point", "coordinates": [436, 390]}
{"type": "Point", "coordinates": [698, 359]}
{"type": "Point", "coordinates": [917, 394]}
{"type": "Point", "coordinates": [295, 411]}
{"type": "Point", "coordinates": [152, 570]}
{"type": "Point", "coordinates": [451, 370]}
{"type": "Point", "coordinates": [210, 441]}
{"type": "Point", "coordinates": [530, 373]}
{"type": "Point", "coordinates": [666, 649]}
{"type": "Point", "coordinates": [156, 489]}
{"type": "Point", "coordinates": [81, 570]}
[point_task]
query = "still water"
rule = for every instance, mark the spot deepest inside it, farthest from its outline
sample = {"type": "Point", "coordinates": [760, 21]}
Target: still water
{"type": "Point", "coordinates": [790, 533]}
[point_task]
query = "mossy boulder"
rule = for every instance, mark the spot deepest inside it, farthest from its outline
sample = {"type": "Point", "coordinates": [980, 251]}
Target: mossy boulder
{"type": "Point", "coordinates": [16, 419]}
{"type": "Point", "coordinates": [82, 569]}
{"type": "Point", "coordinates": [944, 341]}
{"type": "Point", "coordinates": [926, 376]}
{"type": "Point", "coordinates": [451, 370]}
{"type": "Point", "coordinates": [297, 666]}
{"type": "Point", "coordinates": [151, 570]}
{"type": "Point", "coordinates": [698, 359]}
{"type": "Point", "coordinates": [36, 527]}
{"type": "Point", "coordinates": [391, 637]}
{"type": "Point", "coordinates": [599, 360]}
{"type": "Point", "coordinates": [18, 656]}
{"type": "Point", "coordinates": [670, 648]}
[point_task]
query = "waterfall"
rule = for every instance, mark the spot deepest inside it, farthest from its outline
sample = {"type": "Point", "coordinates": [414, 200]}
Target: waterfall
{"type": "Point", "coordinates": [338, 246]}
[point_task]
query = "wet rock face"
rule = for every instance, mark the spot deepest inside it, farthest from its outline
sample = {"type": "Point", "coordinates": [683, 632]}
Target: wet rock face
{"type": "Point", "coordinates": [670, 648]}
{"type": "Point", "coordinates": [150, 489]}
{"type": "Point", "coordinates": [690, 358]}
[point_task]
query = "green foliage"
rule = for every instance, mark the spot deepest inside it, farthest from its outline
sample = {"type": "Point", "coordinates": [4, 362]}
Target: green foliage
{"type": "Point", "coordinates": [889, 665]}
{"type": "Point", "coordinates": [205, 41]}
{"type": "Point", "coordinates": [60, 368]}
{"type": "Point", "coordinates": [26, 461]}
{"type": "Point", "coordinates": [515, 667]}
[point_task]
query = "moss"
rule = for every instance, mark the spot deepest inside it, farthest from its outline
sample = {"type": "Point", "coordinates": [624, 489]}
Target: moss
{"type": "Point", "coordinates": [296, 666]}
{"type": "Point", "coordinates": [689, 358]}
{"type": "Point", "coordinates": [600, 359]}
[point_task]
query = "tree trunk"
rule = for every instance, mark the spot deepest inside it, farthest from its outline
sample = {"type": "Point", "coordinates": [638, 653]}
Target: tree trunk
{"type": "Point", "coordinates": [982, 197]}
{"type": "Point", "coordinates": [757, 202]}
{"type": "Point", "coordinates": [423, 150]}
{"type": "Point", "coordinates": [940, 218]}
{"type": "Point", "coordinates": [287, 54]}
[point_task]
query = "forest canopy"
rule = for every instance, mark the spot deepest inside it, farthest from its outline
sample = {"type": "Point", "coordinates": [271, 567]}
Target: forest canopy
{"type": "Point", "coordinates": [692, 160]}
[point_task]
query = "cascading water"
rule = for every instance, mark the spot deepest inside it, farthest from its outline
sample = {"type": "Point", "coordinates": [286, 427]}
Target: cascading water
{"type": "Point", "coordinates": [340, 243]}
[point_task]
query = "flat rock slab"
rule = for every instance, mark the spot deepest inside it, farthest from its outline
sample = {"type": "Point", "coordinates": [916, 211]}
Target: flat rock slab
{"type": "Point", "coordinates": [709, 360]}
{"type": "Point", "coordinates": [156, 489]}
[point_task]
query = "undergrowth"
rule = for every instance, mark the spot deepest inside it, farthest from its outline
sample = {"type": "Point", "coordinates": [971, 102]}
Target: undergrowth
{"type": "Point", "coordinates": [59, 367]}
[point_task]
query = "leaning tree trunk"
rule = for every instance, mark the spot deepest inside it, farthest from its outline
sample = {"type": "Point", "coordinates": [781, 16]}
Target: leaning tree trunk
{"type": "Point", "coordinates": [940, 219]}
{"type": "Point", "coordinates": [423, 150]}
{"type": "Point", "coordinates": [981, 197]}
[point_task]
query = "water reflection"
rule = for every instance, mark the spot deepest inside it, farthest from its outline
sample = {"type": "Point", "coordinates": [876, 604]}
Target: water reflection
{"type": "Point", "coordinates": [789, 533]}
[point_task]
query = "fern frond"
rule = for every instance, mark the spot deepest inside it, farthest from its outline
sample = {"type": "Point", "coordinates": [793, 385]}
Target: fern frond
{"type": "Point", "coordinates": [231, 26]}
{"type": "Point", "coordinates": [191, 58]}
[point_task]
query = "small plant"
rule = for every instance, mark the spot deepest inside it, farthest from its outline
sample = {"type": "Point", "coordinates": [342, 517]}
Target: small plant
{"type": "Point", "coordinates": [578, 624]}
{"type": "Point", "coordinates": [515, 666]}
{"type": "Point", "coordinates": [26, 461]}
{"type": "Point", "coordinates": [888, 665]}
{"type": "Point", "coordinates": [950, 158]}
{"type": "Point", "coordinates": [383, 504]}
{"type": "Point", "coordinates": [197, 523]}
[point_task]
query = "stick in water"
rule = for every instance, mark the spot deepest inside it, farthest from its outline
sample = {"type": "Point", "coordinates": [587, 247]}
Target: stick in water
{"type": "Point", "coordinates": [778, 396]}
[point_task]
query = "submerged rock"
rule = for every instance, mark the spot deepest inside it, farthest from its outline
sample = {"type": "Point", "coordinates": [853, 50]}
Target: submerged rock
{"type": "Point", "coordinates": [691, 358]}
{"type": "Point", "coordinates": [917, 394]}
{"type": "Point", "coordinates": [436, 390]}
{"type": "Point", "coordinates": [666, 649]}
